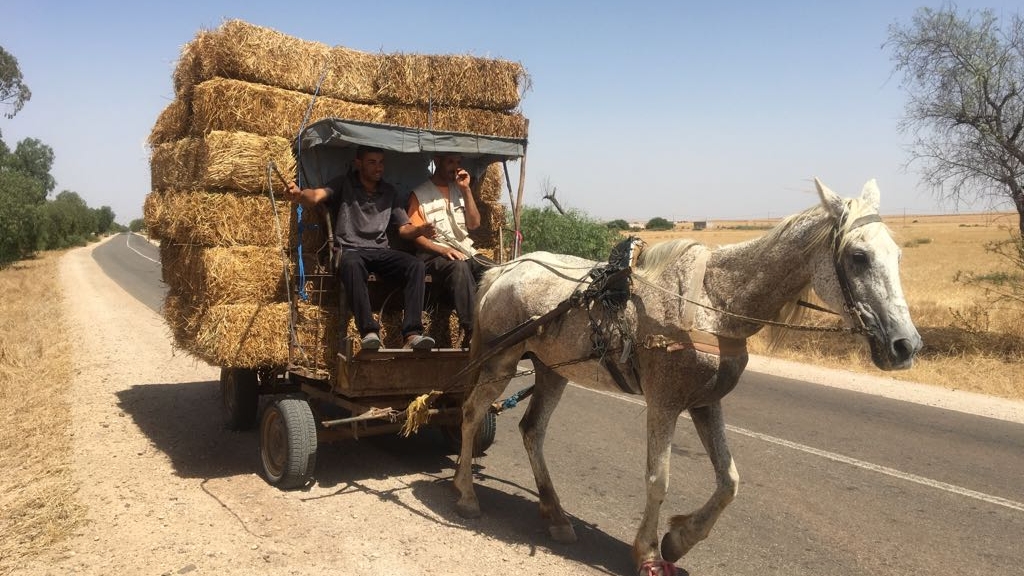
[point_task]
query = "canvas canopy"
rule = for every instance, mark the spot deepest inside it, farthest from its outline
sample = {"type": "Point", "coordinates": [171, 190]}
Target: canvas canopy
{"type": "Point", "coordinates": [326, 149]}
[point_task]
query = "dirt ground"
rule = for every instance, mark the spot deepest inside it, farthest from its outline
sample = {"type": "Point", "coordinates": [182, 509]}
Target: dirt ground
{"type": "Point", "coordinates": [169, 492]}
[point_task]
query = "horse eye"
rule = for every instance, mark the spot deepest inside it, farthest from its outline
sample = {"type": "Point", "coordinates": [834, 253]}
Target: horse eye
{"type": "Point", "coordinates": [860, 257]}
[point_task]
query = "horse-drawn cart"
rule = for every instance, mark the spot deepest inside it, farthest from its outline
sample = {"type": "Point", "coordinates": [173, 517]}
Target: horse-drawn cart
{"type": "Point", "coordinates": [331, 390]}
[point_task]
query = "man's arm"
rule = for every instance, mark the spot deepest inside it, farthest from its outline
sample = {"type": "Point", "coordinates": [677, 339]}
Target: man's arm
{"type": "Point", "coordinates": [472, 214]}
{"type": "Point", "coordinates": [308, 197]}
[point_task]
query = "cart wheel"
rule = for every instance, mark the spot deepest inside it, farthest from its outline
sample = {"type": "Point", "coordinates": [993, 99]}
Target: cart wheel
{"type": "Point", "coordinates": [484, 435]}
{"type": "Point", "coordinates": [239, 398]}
{"type": "Point", "coordinates": [288, 443]}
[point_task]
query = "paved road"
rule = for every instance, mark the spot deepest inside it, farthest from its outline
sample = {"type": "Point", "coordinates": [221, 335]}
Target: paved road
{"type": "Point", "coordinates": [832, 481]}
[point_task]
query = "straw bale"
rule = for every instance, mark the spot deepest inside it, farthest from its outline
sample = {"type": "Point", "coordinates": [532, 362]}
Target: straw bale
{"type": "Point", "coordinates": [243, 51]}
{"type": "Point", "coordinates": [172, 123]}
{"type": "Point", "coordinates": [217, 218]}
{"type": "Point", "coordinates": [236, 105]}
{"type": "Point", "coordinates": [251, 335]}
{"type": "Point", "coordinates": [450, 80]}
{"type": "Point", "coordinates": [231, 160]}
{"type": "Point", "coordinates": [507, 124]}
{"type": "Point", "coordinates": [225, 275]}
{"type": "Point", "coordinates": [492, 185]}
{"type": "Point", "coordinates": [152, 214]}
{"type": "Point", "coordinates": [189, 70]}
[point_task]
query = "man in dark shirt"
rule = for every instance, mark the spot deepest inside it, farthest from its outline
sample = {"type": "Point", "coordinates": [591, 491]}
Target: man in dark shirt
{"type": "Point", "coordinates": [366, 206]}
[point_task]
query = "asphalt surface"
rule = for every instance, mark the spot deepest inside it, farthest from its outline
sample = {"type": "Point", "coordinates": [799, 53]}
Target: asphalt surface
{"type": "Point", "coordinates": [831, 481]}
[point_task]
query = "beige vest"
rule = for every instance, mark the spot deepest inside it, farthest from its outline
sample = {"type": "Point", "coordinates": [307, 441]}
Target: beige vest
{"type": "Point", "coordinates": [448, 217]}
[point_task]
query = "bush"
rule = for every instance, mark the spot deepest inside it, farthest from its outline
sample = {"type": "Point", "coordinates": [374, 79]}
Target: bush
{"type": "Point", "coordinates": [137, 225]}
{"type": "Point", "coordinates": [617, 224]}
{"type": "Point", "coordinates": [659, 223]}
{"type": "Point", "coordinates": [573, 233]}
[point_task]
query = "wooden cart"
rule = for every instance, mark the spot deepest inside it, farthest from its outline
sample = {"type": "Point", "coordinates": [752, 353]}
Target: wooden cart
{"type": "Point", "coordinates": [331, 391]}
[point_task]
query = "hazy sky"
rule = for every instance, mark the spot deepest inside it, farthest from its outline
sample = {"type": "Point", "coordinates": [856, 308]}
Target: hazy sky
{"type": "Point", "coordinates": [685, 110]}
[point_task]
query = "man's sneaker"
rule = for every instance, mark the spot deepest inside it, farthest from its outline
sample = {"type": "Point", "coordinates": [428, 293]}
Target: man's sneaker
{"type": "Point", "coordinates": [419, 342]}
{"type": "Point", "coordinates": [371, 341]}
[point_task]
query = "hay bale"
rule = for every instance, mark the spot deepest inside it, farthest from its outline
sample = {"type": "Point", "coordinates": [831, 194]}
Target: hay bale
{"type": "Point", "coordinates": [450, 80]}
{"type": "Point", "coordinates": [152, 214]}
{"type": "Point", "coordinates": [235, 105]}
{"type": "Point", "coordinates": [217, 218]}
{"type": "Point", "coordinates": [252, 335]}
{"type": "Point", "coordinates": [172, 124]}
{"type": "Point", "coordinates": [243, 51]}
{"type": "Point", "coordinates": [225, 275]}
{"type": "Point", "coordinates": [472, 120]}
{"type": "Point", "coordinates": [228, 160]}
{"type": "Point", "coordinates": [492, 218]}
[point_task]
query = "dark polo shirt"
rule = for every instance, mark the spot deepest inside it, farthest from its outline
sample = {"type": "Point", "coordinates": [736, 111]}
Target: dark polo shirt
{"type": "Point", "coordinates": [363, 218]}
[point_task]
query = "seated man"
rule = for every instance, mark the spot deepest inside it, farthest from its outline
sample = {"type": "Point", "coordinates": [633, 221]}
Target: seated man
{"type": "Point", "coordinates": [445, 202]}
{"type": "Point", "coordinates": [365, 206]}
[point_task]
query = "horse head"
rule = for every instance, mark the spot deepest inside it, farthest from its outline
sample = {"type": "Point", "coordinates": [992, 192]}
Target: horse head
{"type": "Point", "coordinates": [861, 277]}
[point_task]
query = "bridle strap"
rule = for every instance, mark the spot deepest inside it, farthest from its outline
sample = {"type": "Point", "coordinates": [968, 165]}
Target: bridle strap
{"type": "Point", "coordinates": [849, 304]}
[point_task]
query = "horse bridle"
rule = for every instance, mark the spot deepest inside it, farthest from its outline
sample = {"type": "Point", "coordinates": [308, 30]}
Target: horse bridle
{"type": "Point", "coordinates": [849, 304]}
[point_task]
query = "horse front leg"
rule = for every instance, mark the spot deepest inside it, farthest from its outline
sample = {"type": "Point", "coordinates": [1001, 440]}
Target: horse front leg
{"type": "Point", "coordinates": [491, 380]}
{"type": "Point", "coordinates": [548, 389]}
{"type": "Point", "coordinates": [687, 530]}
{"type": "Point", "coordinates": [661, 425]}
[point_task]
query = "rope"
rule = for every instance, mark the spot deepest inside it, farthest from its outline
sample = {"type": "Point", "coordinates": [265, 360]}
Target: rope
{"type": "Point", "coordinates": [298, 208]}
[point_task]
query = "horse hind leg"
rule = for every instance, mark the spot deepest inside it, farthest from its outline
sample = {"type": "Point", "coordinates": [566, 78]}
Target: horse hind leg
{"type": "Point", "coordinates": [685, 531]}
{"type": "Point", "coordinates": [548, 389]}
{"type": "Point", "coordinates": [492, 378]}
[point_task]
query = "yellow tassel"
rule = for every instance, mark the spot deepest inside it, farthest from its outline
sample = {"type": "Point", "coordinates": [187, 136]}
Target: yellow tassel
{"type": "Point", "coordinates": [418, 413]}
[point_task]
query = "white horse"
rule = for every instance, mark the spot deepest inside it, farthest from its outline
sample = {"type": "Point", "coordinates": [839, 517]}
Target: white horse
{"type": "Point", "coordinates": [688, 312]}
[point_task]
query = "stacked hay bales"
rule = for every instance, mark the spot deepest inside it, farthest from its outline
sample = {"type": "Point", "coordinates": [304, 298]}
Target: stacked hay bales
{"type": "Point", "coordinates": [229, 242]}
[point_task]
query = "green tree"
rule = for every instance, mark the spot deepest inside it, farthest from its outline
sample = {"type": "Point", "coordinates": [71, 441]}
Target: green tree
{"type": "Point", "coordinates": [617, 224]}
{"type": "Point", "coordinates": [659, 223]}
{"type": "Point", "coordinates": [18, 232]}
{"type": "Point", "coordinates": [571, 233]}
{"type": "Point", "coordinates": [104, 219]}
{"type": "Point", "coordinates": [35, 159]}
{"type": "Point", "coordinates": [964, 75]}
{"type": "Point", "coordinates": [137, 225]}
{"type": "Point", "coordinates": [67, 221]}
{"type": "Point", "coordinates": [13, 91]}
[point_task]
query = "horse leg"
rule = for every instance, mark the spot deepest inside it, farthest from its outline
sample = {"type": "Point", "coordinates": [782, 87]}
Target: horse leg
{"type": "Point", "coordinates": [661, 425]}
{"type": "Point", "coordinates": [548, 389]}
{"type": "Point", "coordinates": [687, 530]}
{"type": "Point", "coordinates": [492, 379]}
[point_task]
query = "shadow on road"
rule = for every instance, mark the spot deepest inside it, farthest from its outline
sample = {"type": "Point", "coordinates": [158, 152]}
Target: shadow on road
{"type": "Point", "coordinates": [183, 420]}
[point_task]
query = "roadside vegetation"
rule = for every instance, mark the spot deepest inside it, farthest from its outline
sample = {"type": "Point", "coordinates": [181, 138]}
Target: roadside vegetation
{"type": "Point", "coordinates": [37, 493]}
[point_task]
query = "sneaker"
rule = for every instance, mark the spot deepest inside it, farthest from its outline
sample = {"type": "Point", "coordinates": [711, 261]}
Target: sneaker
{"type": "Point", "coordinates": [371, 341]}
{"type": "Point", "coordinates": [419, 342]}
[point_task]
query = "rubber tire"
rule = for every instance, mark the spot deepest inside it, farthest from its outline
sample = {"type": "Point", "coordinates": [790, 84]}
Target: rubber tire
{"type": "Point", "coordinates": [288, 443]}
{"type": "Point", "coordinates": [485, 435]}
{"type": "Point", "coordinates": [239, 398]}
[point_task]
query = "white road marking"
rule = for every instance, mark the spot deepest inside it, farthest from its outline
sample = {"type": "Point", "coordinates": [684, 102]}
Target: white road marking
{"type": "Point", "coordinates": [128, 244]}
{"type": "Point", "coordinates": [951, 488]}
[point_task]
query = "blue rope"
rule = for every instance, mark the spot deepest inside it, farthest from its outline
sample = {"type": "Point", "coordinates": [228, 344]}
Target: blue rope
{"type": "Point", "coordinates": [299, 227]}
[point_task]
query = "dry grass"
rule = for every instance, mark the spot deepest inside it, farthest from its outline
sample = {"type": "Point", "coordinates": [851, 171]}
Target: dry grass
{"type": "Point", "coordinates": [37, 495]}
{"type": "Point", "coordinates": [969, 344]}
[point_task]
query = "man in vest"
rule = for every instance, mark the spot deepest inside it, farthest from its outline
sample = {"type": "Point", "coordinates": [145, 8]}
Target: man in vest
{"type": "Point", "coordinates": [366, 206]}
{"type": "Point", "coordinates": [446, 201]}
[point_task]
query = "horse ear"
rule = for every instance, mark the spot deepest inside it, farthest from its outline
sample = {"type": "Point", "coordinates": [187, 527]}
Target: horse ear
{"type": "Point", "coordinates": [830, 200]}
{"type": "Point", "coordinates": [870, 194]}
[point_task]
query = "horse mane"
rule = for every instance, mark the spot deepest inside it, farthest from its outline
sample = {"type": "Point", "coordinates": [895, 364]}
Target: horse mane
{"type": "Point", "coordinates": [654, 260]}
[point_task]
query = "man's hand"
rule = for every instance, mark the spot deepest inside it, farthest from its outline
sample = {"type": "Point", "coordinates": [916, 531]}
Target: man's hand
{"type": "Point", "coordinates": [294, 193]}
{"type": "Point", "coordinates": [462, 179]}
{"type": "Point", "coordinates": [426, 230]}
{"type": "Point", "coordinates": [452, 253]}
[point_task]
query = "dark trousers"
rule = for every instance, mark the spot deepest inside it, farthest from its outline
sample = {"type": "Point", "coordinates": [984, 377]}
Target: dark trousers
{"type": "Point", "coordinates": [356, 266]}
{"type": "Point", "coordinates": [457, 279]}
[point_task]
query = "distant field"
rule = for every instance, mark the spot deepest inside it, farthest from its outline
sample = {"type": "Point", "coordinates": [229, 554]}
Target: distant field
{"type": "Point", "coordinates": [969, 344]}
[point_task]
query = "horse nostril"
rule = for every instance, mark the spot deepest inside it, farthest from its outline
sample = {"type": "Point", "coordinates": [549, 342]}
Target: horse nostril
{"type": "Point", "coordinates": [903, 349]}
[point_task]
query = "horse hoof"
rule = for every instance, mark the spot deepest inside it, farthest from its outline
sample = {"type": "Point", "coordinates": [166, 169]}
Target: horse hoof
{"type": "Point", "coordinates": [562, 533]}
{"type": "Point", "coordinates": [660, 568]}
{"type": "Point", "coordinates": [670, 550]}
{"type": "Point", "coordinates": [468, 510]}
